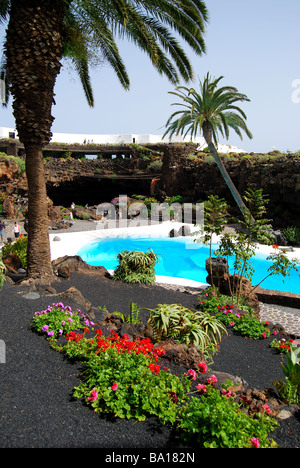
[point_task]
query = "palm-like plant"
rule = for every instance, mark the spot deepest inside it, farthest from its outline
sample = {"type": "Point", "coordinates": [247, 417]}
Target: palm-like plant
{"type": "Point", "coordinates": [41, 32]}
{"type": "Point", "coordinates": [210, 111]}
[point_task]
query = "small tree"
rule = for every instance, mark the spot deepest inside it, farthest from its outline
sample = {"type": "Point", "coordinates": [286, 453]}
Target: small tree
{"type": "Point", "coordinates": [215, 217]}
{"type": "Point", "coordinates": [253, 227]}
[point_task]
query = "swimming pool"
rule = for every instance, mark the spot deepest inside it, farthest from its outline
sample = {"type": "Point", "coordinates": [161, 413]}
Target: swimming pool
{"type": "Point", "coordinates": [180, 258]}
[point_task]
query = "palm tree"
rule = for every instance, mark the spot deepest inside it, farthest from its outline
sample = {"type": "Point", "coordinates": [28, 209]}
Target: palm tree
{"type": "Point", "coordinates": [41, 32]}
{"type": "Point", "coordinates": [211, 111]}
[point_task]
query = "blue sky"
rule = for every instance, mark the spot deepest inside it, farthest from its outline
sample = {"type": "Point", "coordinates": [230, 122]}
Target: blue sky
{"type": "Point", "coordinates": [254, 44]}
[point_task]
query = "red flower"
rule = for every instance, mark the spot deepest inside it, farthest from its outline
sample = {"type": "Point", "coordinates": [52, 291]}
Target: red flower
{"type": "Point", "coordinates": [154, 368]}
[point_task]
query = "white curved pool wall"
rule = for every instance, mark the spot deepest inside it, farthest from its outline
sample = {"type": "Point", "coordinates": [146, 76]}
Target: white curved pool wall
{"type": "Point", "coordinates": [71, 242]}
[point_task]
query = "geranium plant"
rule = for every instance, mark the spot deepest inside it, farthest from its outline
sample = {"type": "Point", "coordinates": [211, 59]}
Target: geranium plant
{"type": "Point", "coordinates": [58, 320]}
{"type": "Point", "coordinates": [122, 377]}
{"type": "Point", "coordinates": [242, 322]}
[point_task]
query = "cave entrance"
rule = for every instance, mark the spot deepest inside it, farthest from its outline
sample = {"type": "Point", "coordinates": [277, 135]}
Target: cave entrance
{"type": "Point", "coordinates": [94, 190]}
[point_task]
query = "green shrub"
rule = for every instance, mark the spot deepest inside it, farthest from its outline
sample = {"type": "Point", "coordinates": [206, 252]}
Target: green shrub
{"type": "Point", "coordinates": [289, 389]}
{"type": "Point", "coordinates": [18, 247]}
{"type": "Point", "coordinates": [292, 234]}
{"type": "Point", "coordinates": [20, 162]}
{"type": "Point", "coordinates": [155, 165]}
{"type": "Point", "coordinates": [210, 160]}
{"type": "Point", "coordinates": [122, 378]}
{"type": "Point", "coordinates": [216, 421]}
{"type": "Point", "coordinates": [57, 320]}
{"type": "Point", "coordinates": [242, 322]}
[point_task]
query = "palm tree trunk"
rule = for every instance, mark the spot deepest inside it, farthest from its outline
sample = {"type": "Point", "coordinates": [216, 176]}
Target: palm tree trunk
{"type": "Point", "coordinates": [38, 254]}
{"type": "Point", "coordinates": [33, 50]}
{"type": "Point", "coordinates": [234, 192]}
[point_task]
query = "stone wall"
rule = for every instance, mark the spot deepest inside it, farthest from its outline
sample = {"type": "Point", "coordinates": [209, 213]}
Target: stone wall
{"type": "Point", "coordinates": [278, 177]}
{"type": "Point", "coordinates": [184, 172]}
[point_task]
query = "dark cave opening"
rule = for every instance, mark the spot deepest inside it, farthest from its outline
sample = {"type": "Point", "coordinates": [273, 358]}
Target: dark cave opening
{"type": "Point", "coordinates": [92, 191]}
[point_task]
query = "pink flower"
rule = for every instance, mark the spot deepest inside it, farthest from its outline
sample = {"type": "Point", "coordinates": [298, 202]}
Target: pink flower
{"type": "Point", "coordinates": [226, 393]}
{"type": "Point", "coordinates": [267, 408]}
{"type": "Point", "coordinates": [202, 367]}
{"type": "Point", "coordinates": [254, 442]}
{"type": "Point", "coordinates": [191, 373]}
{"type": "Point", "coordinates": [212, 380]}
{"type": "Point", "coordinates": [114, 386]}
{"type": "Point", "coordinates": [264, 335]}
{"type": "Point", "coordinates": [94, 395]}
{"type": "Point", "coordinates": [173, 396]}
{"type": "Point", "coordinates": [231, 324]}
{"type": "Point", "coordinates": [201, 388]}
{"type": "Point", "coordinates": [275, 332]}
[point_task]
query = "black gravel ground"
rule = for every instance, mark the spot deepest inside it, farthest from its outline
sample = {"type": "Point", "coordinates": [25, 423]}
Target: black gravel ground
{"type": "Point", "coordinates": [36, 383]}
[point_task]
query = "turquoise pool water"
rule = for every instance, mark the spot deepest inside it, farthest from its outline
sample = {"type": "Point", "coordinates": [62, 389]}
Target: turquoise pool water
{"type": "Point", "coordinates": [180, 258]}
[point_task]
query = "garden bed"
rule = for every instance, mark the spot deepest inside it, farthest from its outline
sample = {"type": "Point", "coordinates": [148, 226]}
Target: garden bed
{"type": "Point", "coordinates": [37, 383]}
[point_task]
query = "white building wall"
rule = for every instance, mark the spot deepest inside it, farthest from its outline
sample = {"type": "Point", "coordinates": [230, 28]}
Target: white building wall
{"type": "Point", "coordinates": [5, 131]}
{"type": "Point", "coordinates": [118, 139]}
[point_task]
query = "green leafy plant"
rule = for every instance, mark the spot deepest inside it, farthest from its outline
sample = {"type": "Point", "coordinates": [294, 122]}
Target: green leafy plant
{"type": "Point", "coordinates": [290, 388]}
{"type": "Point", "coordinates": [18, 247]}
{"type": "Point", "coordinates": [20, 162]}
{"type": "Point", "coordinates": [292, 234]}
{"type": "Point", "coordinates": [2, 272]}
{"type": "Point", "coordinates": [284, 346]}
{"type": "Point", "coordinates": [215, 218]}
{"type": "Point", "coordinates": [124, 378]}
{"type": "Point", "coordinates": [174, 321]}
{"type": "Point", "coordinates": [155, 165]}
{"type": "Point", "coordinates": [136, 267]}
{"type": "Point", "coordinates": [58, 320]}
{"type": "Point", "coordinates": [121, 377]}
{"type": "Point", "coordinates": [242, 245]}
{"type": "Point", "coordinates": [134, 314]}
{"type": "Point", "coordinates": [281, 264]}
{"type": "Point", "coordinates": [253, 228]}
{"type": "Point", "coordinates": [215, 421]}
{"type": "Point", "coordinates": [242, 322]}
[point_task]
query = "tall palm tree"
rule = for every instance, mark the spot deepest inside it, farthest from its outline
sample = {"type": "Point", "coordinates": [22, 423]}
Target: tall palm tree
{"type": "Point", "coordinates": [41, 32]}
{"type": "Point", "coordinates": [210, 111]}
